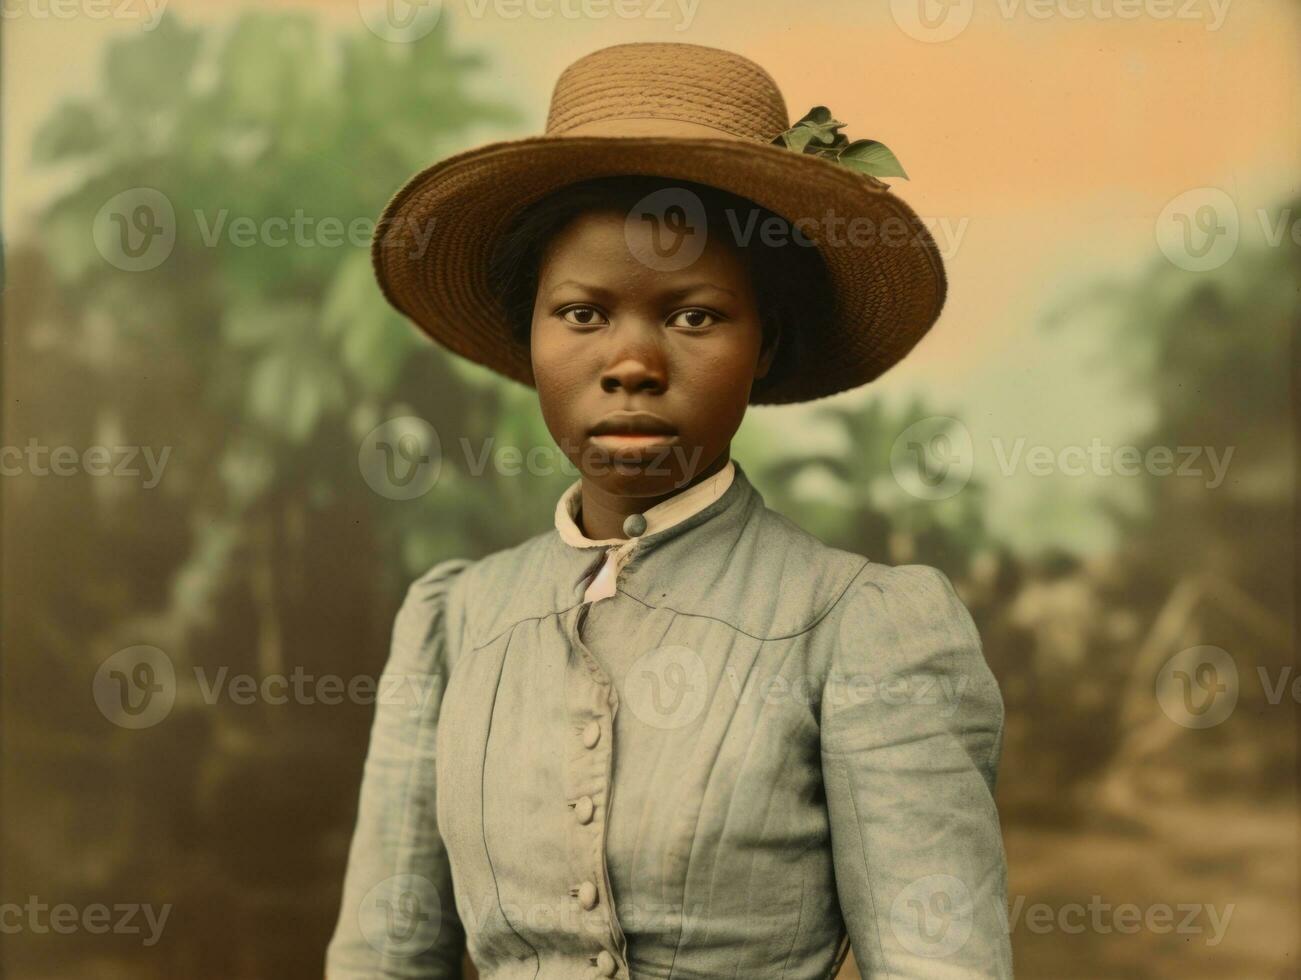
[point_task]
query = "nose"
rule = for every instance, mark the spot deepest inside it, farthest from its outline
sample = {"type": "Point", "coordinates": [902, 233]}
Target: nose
{"type": "Point", "coordinates": [637, 364]}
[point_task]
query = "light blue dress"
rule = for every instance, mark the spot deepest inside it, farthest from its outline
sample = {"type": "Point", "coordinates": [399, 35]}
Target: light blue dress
{"type": "Point", "coordinates": [758, 751]}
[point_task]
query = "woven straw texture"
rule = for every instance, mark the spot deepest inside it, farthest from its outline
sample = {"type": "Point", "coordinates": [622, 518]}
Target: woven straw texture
{"type": "Point", "coordinates": [890, 285]}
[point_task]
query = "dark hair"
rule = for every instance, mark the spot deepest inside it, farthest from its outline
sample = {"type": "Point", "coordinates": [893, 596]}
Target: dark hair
{"type": "Point", "coordinates": [787, 273]}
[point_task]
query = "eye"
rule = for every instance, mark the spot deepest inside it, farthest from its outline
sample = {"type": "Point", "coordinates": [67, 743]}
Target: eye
{"type": "Point", "coordinates": [582, 316]}
{"type": "Point", "coordinates": [694, 318]}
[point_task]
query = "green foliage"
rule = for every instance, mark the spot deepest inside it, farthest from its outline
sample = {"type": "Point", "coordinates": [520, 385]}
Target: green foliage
{"type": "Point", "coordinates": [818, 133]}
{"type": "Point", "coordinates": [1203, 350]}
{"type": "Point", "coordinates": [277, 147]}
{"type": "Point", "coordinates": [838, 480]}
{"type": "Point", "coordinates": [261, 360]}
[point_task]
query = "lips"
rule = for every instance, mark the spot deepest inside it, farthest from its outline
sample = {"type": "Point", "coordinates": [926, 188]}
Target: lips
{"type": "Point", "coordinates": [633, 424]}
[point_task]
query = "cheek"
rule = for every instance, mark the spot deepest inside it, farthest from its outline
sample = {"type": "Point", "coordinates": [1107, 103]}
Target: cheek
{"type": "Point", "coordinates": [725, 363]}
{"type": "Point", "coordinates": [544, 355]}
{"type": "Point", "coordinates": [558, 375]}
{"type": "Point", "coordinates": [716, 380]}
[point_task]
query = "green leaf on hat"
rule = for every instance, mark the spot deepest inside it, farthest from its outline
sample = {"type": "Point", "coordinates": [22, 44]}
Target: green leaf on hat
{"type": "Point", "coordinates": [818, 126]}
{"type": "Point", "coordinates": [796, 138]}
{"type": "Point", "coordinates": [873, 158]}
{"type": "Point", "coordinates": [818, 133]}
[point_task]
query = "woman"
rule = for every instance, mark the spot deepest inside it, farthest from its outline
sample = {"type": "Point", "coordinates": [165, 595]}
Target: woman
{"type": "Point", "coordinates": [674, 736]}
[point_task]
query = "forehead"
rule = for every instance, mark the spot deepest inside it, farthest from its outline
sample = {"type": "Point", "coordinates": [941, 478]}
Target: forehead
{"type": "Point", "coordinates": [604, 243]}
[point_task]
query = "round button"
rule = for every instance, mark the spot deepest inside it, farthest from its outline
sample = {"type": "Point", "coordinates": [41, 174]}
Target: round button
{"type": "Point", "coordinates": [591, 734]}
{"type": "Point", "coordinates": [584, 809]}
{"type": "Point", "coordinates": [587, 895]}
{"type": "Point", "coordinates": [605, 965]}
{"type": "Point", "coordinates": [634, 526]}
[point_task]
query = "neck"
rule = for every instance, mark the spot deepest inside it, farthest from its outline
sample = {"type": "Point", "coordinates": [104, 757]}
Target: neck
{"type": "Point", "coordinates": [602, 513]}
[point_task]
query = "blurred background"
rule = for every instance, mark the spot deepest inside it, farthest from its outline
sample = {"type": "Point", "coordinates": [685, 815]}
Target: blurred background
{"type": "Point", "coordinates": [207, 407]}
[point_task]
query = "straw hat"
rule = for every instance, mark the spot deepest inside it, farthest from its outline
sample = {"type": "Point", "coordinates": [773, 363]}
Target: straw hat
{"type": "Point", "coordinates": [682, 111]}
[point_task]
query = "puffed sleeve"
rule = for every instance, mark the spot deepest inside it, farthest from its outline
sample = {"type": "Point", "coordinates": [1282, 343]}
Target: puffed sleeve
{"type": "Point", "coordinates": [398, 916]}
{"type": "Point", "coordinates": [912, 728]}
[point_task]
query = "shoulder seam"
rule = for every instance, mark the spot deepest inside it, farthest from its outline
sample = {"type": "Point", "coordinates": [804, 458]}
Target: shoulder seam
{"type": "Point", "coordinates": [817, 618]}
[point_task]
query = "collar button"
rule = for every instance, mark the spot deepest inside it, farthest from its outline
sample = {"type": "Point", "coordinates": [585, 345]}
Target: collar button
{"type": "Point", "coordinates": [634, 526]}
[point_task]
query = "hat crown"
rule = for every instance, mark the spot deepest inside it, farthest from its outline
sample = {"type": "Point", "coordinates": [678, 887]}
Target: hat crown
{"type": "Point", "coordinates": [641, 88]}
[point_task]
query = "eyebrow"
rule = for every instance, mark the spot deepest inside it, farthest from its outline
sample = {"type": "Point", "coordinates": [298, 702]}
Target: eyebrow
{"type": "Point", "coordinates": [670, 295]}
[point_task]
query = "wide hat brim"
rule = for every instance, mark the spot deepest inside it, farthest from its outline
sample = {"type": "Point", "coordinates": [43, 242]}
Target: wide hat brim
{"type": "Point", "coordinates": [432, 245]}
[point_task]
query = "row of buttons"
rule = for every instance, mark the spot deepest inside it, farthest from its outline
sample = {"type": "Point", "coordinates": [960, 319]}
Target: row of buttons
{"type": "Point", "coordinates": [585, 811]}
